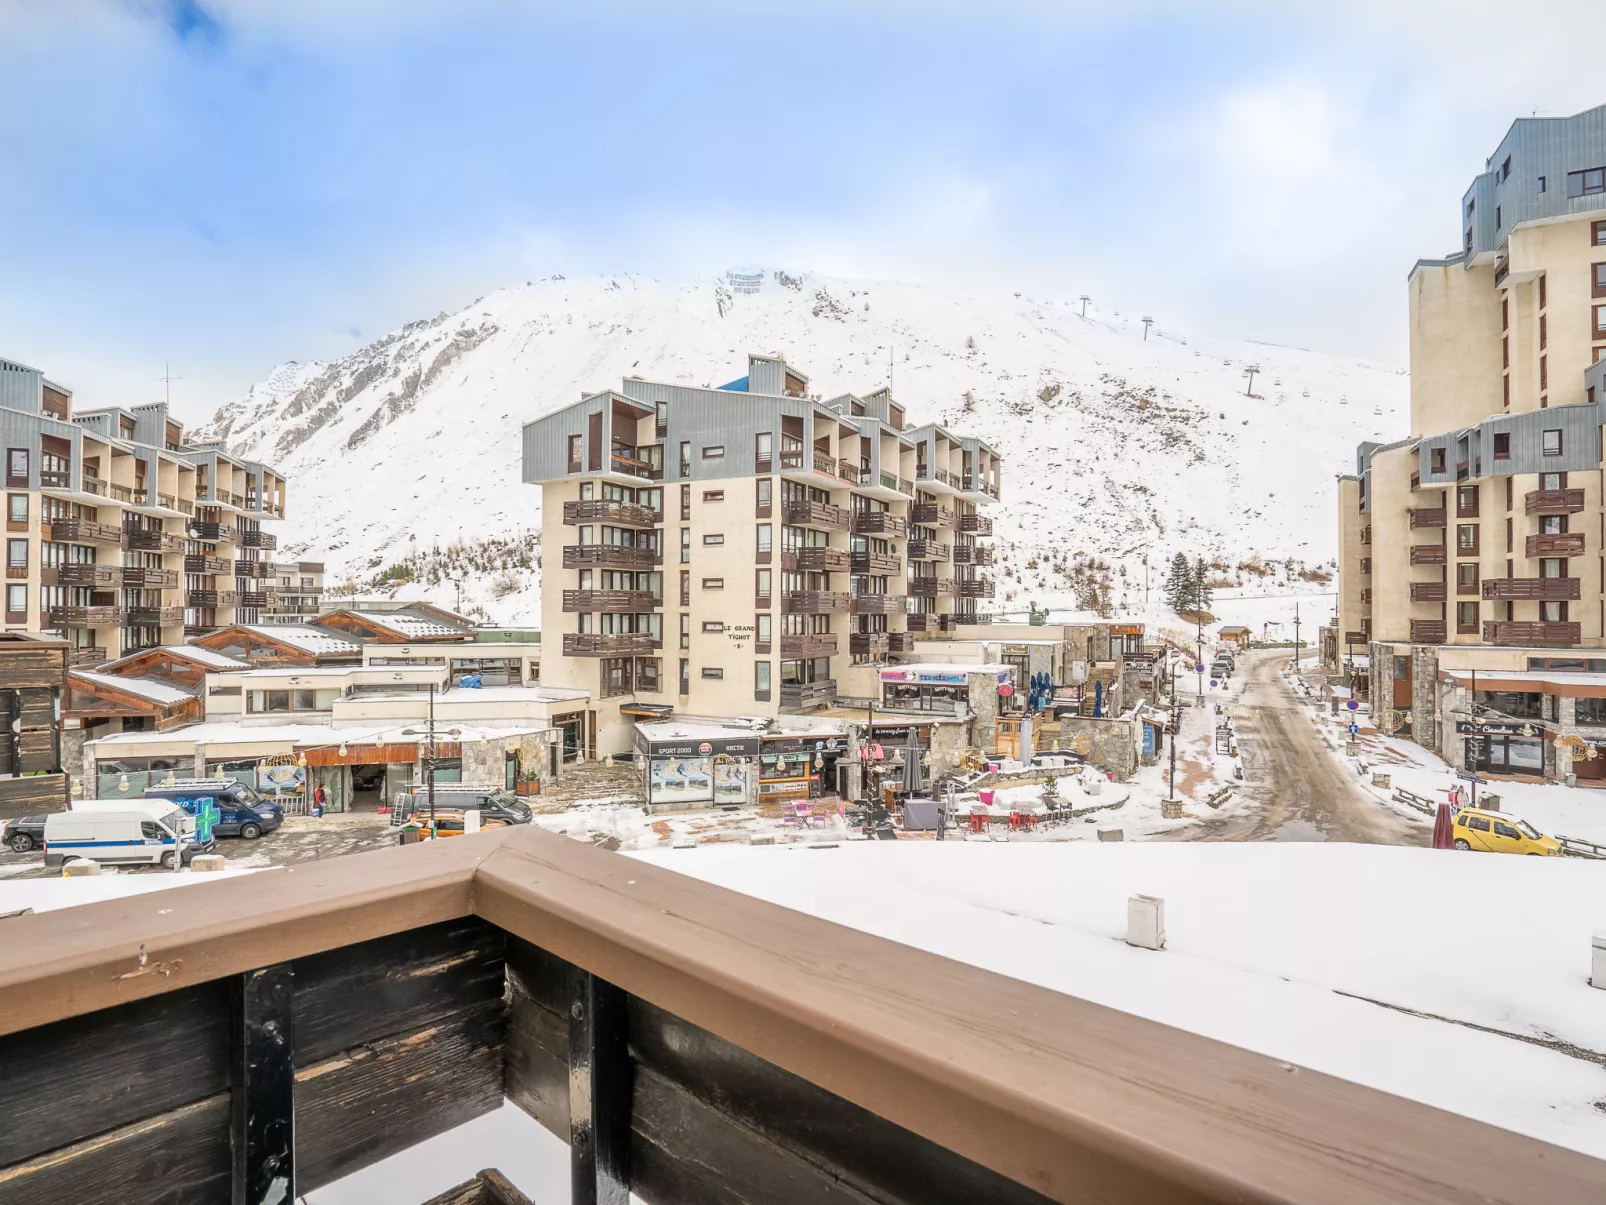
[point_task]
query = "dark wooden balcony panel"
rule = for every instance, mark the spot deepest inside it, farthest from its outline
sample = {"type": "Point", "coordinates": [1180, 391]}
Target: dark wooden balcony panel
{"type": "Point", "coordinates": [1531, 634]}
{"type": "Point", "coordinates": [137, 576]}
{"type": "Point", "coordinates": [877, 523]}
{"type": "Point", "coordinates": [868, 644]}
{"type": "Point", "coordinates": [966, 619]}
{"type": "Point", "coordinates": [931, 587]}
{"type": "Point", "coordinates": [612, 602]}
{"type": "Point", "coordinates": [1427, 516]}
{"type": "Point", "coordinates": [807, 694]}
{"type": "Point", "coordinates": [980, 587]}
{"type": "Point", "coordinates": [86, 658]}
{"type": "Point", "coordinates": [1543, 589]}
{"type": "Point", "coordinates": [928, 550]}
{"type": "Point", "coordinates": [254, 598]}
{"type": "Point", "coordinates": [1553, 502]}
{"type": "Point", "coordinates": [813, 644]}
{"type": "Point", "coordinates": [820, 515]}
{"type": "Point", "coordinates": [823, 560]}
{"type": "Point", "coordinates": [1421, 592]}
{"type": "Point", "coordinates": [900, 642]}
{"type": "Point", "coordinates": [195, 562]}
{"type": "Point", "coordinates": [876, 564]}
{"type": "Point", "coordinates": [609, 556]}
{"type": "Point", "coordinates": [608, 644]}
{"type": "Point", "coordinates": [152, 541]}
{"type": "Point", "coordinates": [258, 539]}
{"type": "Point", "coordinates": [85, 617]}
{"type": "Point", "coordinates": [973, 555]}
{"type": "Point", "coordinates": [101, 577]}
{"type": "Point", "coordinates": [931, 514]}
{"type": "Point", "coordinates": [253, 569]}
{"type": "Point", "coordinates": [1427, 631]}
{"type": "Point", "coordinates": [86, 531]}
{"type": "Point", "coordinates": [1567, 543]}
{"type": "Point", "coordinates": [927, 622]}
{"type": "Point", "coordinates": [153, 616]}
{"type": "Point", "coordinates": [1428, 554]}
{"type": "Point", "coordinates": [212, 533]}
{"type": "Point", "coordinates": [878, 604]}
{"type": "Point", "coordinates": [612, 512]}
{"type": "Point", "coordinates": [817, 602]}
{"type": "Point", "coordinates": [979, 525]}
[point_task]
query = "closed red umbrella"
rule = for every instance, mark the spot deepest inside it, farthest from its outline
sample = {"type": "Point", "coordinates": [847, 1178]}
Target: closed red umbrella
{"type": "Point", "coordinates": [1443, 834]}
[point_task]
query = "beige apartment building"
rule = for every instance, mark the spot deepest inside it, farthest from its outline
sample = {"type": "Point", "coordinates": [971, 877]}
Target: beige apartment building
{"type": "Point", "coordinates": [295, 591]}
{"type": "Point", "coordinates": [120, 535]}
{"type": "Point", "coordinates": [732, 551]}
{"type": "Point", "coordinates": [1477, 539]}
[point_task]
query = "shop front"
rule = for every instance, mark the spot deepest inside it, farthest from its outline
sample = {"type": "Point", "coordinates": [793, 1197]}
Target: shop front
{"type": "Point", "coordinates": [946, 690]}
{"type": "Point", "coordinates": [681, 770]}
{"type": "Point", "coordinates": [1514, 749]}
{"type": "Point", "coordinates": [799, 766]}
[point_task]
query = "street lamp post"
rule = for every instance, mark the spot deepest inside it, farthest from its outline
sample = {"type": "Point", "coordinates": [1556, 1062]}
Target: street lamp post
{"type": "Point", "coordinates": [1176, 721]}
{"type": "Point", "coordinates": [429, 758]}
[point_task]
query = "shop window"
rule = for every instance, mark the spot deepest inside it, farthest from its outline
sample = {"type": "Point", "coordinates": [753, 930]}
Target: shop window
{"type": "Point", "coordinates": [1590, 712]}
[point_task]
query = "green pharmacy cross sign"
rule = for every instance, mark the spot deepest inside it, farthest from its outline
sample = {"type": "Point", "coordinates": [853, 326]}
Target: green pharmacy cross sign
{"type": "Point", "coordinates": [206, 815]}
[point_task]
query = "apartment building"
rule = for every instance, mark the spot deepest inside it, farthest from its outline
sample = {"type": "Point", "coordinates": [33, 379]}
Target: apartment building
{"type": "Point", "coordinates": [296, 591]}
{"type": "Point", "coordinates": [732, 550]}
{"type": "Point", "coordinates": [1476, 541]}
{"type": "Point", "coordinates": [120, 534]}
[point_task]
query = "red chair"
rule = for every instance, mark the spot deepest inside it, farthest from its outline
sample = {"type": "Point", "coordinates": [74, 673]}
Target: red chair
{"type": "Point", "coordinates": [978, 822]}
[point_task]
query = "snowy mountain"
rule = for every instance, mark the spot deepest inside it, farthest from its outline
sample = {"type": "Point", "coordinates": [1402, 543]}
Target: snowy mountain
{"type": "Point", "coordinates": [404, 456]}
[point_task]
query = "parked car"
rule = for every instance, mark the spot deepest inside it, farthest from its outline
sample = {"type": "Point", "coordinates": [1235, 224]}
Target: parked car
{"type": "Point", "coordinates": [123, 831]}
{"type": "Point", "coordinates": [23, 833]}
{"type": "Point", "coordinates": [449, 822]}
{"type": "Point", "coordinates": [1501, 833]}
{"type": "Point", "coordinates": [493, 803]}
{"type": "Point", "coordinates": [242, 811]}
{"type": "Point", "coordinates": [1221, 669]}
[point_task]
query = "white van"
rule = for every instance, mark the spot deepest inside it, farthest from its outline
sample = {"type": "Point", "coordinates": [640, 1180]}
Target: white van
{"type": "Point", "coordinates": [127, 831]}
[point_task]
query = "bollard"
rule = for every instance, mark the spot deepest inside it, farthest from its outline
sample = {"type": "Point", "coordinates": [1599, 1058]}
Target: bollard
{"type": "Point", "coordinates": [77, 867]}
{"type": "Point", "coordinates": [207, 863]}
{"type": "Point", "coordinates": [1145, 922]}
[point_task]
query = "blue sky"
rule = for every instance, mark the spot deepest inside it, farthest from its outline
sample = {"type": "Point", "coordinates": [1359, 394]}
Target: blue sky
{"type": "Point", "coordinates": [229, 185]}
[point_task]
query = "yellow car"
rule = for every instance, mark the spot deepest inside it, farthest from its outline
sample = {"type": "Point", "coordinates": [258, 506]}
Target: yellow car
{"type": "Point", "coordinates": [1498, 833]}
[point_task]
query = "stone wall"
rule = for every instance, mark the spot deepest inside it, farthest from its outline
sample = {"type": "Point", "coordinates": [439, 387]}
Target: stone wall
{"type": "Point", "coordinates": [1425, 695]}
{"type": "Point", "coordinates": [1110, 745]}
{"type": "Point", "coordinates": [485, 761]}
{"type": "Point", "coordinates": [74, 762]}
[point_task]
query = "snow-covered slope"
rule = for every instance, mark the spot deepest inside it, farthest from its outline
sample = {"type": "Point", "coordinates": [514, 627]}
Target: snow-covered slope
{"type": "Point", "coordinates": [1114, 443]}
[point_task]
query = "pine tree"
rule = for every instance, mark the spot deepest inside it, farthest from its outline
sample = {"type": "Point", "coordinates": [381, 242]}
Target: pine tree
{"type": "Point", "coordinates": [1201, 586]}
{"type": "Point", "coordinates": [1179, 584]}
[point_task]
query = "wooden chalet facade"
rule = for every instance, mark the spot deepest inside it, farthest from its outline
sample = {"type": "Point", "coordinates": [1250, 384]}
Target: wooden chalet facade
{"type": "Point", "coordinates": [33, 675]}
{"type": "Point", "coordinates": [95, 699]}
{"type": "Point", "coordinates": [263, 648]}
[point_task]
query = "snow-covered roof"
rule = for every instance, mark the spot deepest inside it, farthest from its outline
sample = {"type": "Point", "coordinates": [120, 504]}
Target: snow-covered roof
{"type": "Point", "coordinates": [307, 637]}
{"type": "Point", "coordinates": [408, 623]}
{"type": "Point", "coordinates": [193, 652]}
{"type": "Point", "coordinates": [218, 736]}
{"type": "Point", "coordinates": [145, 688]}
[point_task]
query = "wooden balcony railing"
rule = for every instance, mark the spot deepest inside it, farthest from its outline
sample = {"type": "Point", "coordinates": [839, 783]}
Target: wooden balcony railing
{"type": "Point", "coordinates": [85, 531]}
{"type": "Point", "coordinates": [609, 556]}
{"type": "Point", "coordinates": [1544, 589]}
{"type": "Point", "coordinates": [85, 617]}
{"type": "Point", "coordinates": [1553, 502]}
{"type": "Point", "coordinates": [813, 644]}
{"type": "Point", "coordinates": [153, 541]}
{"type": "Point", "coordinates": [211, 598]}
{"type": "Point", "coordinates": [868, 644]}
{"type": "Point", "coordinates": [973, 554]}
{"type": "Point", "coordinates": [929, 622]}
{"type": "Point", "coordinates": [848, 472]}
{"type": "Point", "coordinates": [900, 642]}
{"type": "Point", "coordinates": [98, 577]}
{"type": "Point", "coordinates": [979, 525]}
{"type": "Point", "coordinates": [808, 694]}
{"type": "Point", "coordinates": [931, 514]}
{"type": "Point", "coordinates": [816, 514]}
{"type": "Point", "coordinates": [816, 602]}
{"type": "Point", "coordinates": [965, 619]}
{"type": "Point", "coordinates": [1532, 634]}
{"type": "Point", "coordinates": [876, 564]}
{"type": "Point", "coordinates": [253, 569]}
{"type": "Point", "coordinates": [137, 576]}
{"type": "Point", "coordinates": [254, 598]}
{"type": "Point", "coordinates": [930, 587]}
{"type": "Point", "coordinates": [878, 523]}
{"type": "Point", "coordinates": [259, 539]}
{"type": "Point", "coordinates": [1427, 554]}
{"type": "Point", "coordinates": [1567, 543]}
{"type": "Point", "coordinates": [825, 464]}
{"type": "Point", "coordinates": [608, 644]}
{"type": "Point", "coordinates": [197, 563]}
{"type": "Point", "coordinates": [1427, 631]}
{"type": "Point", "coordinates": [153, 616]}
{"type": "Point", "coordinates": [878, 604]}
{"type": "Point", "coordinates": [1356, 638]}
{"type": "Point", "coordinates": [980, 587]}
{"type": "Point", "coordinates": [1420, 592]}
{"type": "Point", "coordinates": [824, 560]}
{"type": "Point", "coordinates": [201, 529]}
{"type": "Point", "coordinates": [612, 602]}
{"type": "Point", "coordinates": [928, 550]}
{"type": "Point", "coordinates": [606, 510]}
{"type": "Point", "coordinates": [1427, 517]}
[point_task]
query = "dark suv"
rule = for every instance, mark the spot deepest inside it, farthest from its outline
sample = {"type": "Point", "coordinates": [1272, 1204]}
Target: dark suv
{"type": "Point", "coordinates": [23, 834]}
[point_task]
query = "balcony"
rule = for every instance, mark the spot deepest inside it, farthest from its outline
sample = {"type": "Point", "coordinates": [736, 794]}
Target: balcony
{"type": "Point", "coordinates": [878, 604]}
{"type": "Point", "coordinates": [974, 484]}
{"type": "Point", "coordinates": [85, 617]}
{"type": "Point", "coordinates": [876, 564]}
{"type": "Point", "coordinates": [192, 630]}
{"type": "Point", "coordinates": [1531, 635]}
{"type": "Point", "coordinates": [808, 694]}
{"type": "Point", "coordinates": [153, 541]}
{"type": "Point", "coordinates": [1428, 554]}
{"type": "Point", "coordinates": [1541, 589]}
{"type": "Point", "coordinates": [1427, 631]}
{"type": "Point", "coordinates": [931, 514]}
{"type": "Point", "coordinates": [610, 556]}
{"type": "Point", "coordinates": [211, 598]}
{"type": "Point", "coordinates": [252, 569]}
{"type": "Point", "coordinates": [197, 563]}
{"type": "Point", "coordinates": [153, 616]}
{"type": "Point", "coordinates": [258, 539]}
{"type": "Point", "coordinates": [1425, 517]}
{"type": "Point", "coordinates": [850, 472]}
{"type": "Point", "coordinates": [823, 560]}
{"type": "Point", "coordinates": [1421, 592]}
{"type": "Point", "coordinates": [900, 642]}
{"type": "Point", "coordinates": [973, 554]}
{"type": "Point", "coordinates": [92, 484]}
{"type": "Point", "coordinates": [927, 550]}
{"type": "Point", "coordinates": [868, 644]}
{"type": "Point", "coordinates": [930, 622]}
{"type": "Point", "coordinates": [980, 587]}
{"type": "Point", "coordinates": [86, 531]}
{"type": "Point", "coordinates": [812, 644]}
{"type": "Point", "coordinates": [609, 644]}
{"type": "Point", "coordinates": [1553, 502]}
{"type": "Point", "coordinates": [878, 523]}
{"type": "Point", "coordinates": [609, 511]}
{"type": "Point", "coordinates": [254, 598]}
{"type": "Point", "coordinates": [612, 602]}
{"type": "Point", "coordinates": [978, 525]}
{"type": "Point", "coordinates": [212, 533]}
{"type": "Point", "coordinates": [137, 576]}
{"type": "Point", "coordinates": [99, 577]}
{"type": "Point", "coordinates": [816, 602]}
{"type": "Point", "coordinates": [86, 658]}
{"type": "Point", "coordinates": [965, 619]}
{"type": "Point", "coordinates": [1567, 543]}
{"type": "Point", "coordinates": [821, 515]}
{"type": "Point", "coordinates": [931, 587]}
{"type": "Point", "coordinates": [645, 462]}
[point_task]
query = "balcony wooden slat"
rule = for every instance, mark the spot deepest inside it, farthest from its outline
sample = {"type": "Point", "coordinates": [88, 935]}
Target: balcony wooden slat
{"type": "Point", "coordinates": [1544, 589]}
{"type": "Point", "coordinates": [1428, 554]}
{"type": "Point", "coordinates": [1567, 543]}
{"type": "Point", "coordinates": [1553, 502]}
{"type": "Point", "coordinates": [1532, 633]}
{"type": "Point", "coordinates": [1420, 592]}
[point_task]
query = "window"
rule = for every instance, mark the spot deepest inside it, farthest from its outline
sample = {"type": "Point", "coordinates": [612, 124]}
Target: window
{"type": "Point", "coordinates": [16, 554]}
{"type": "Point", "coordinates": [574, 453]}
{"type": "Point", "coordinates": [1505, 353]}
{"type": "Point", "coordinates": [685, 631]}
{"type": "Point", "coordinates": [1542, 286]}
{"type": "Point", "coordinates": [1466, 576]}
{"type": "Point", "coordinates": [1589, 711]}
{"type": "Point", "coordinates": [1544, 371]}
{"type": "Point", "coordinates": [713, 451]}
{"type": "Point", "coordinates": [1597, 280]}
{"type": "Point", "coordinates": [685, 587]}
{"type": "Point", "coordinates": [1505, 169]}
{"type": "Point", "coordinates": [1505, 315]}
{"type": "Point", "coordinates": [713, 495]}
{"type": "Point", "coordinates": [1502, 446]}
{"type": "Point", "coordinates": [1597, 234]}
{"type": "Point", "coordinates": [765, 536]}
{"type": "Point", "coordinates": [1478, 823]}
{"type": "Point", "coordinates": [685, 504]}
{"type": "Point", "coordinates": [1541, 184]}
{"type": "Point", "coordinates": [17, 466]}
{"type": "Point", "coordinates": [710, 672]}
{"type": "Point", "coordinates": [16, 600]}
{"type": "Point", "coordinates": [685, 676]}
{"type": "Point", "coordinates": [1466, 537]}
{"type": "Point", "coordinates": [763, 450]}
{"type": "Point", "coordinates": [1505, 392]}
{"type": "Point", "coordinates": [762, 631]}
{"type": "Point", "coordinates": [1587, 182]}
{"type": "Point", "coordinates": [713, 583]}
{"type": "Point", "coordinates": [1436, 460]}
{"type": "Point", "coordinates": [685, 545]}
{"type": "Point", "coordinates": [1550, 443]}
{"type": "Point", "coordinates": [18, 512]}
{"type": "Point", "coordinates": [763, 587]}
{"type": "Point", "coordinates": [713, 625]}
{"type": "Point", "coordinates": [1552, 481]}
{"type": "Point", "coordinates": [1497, 217]}
{"type": "Point", "coordinates": [1552, 525]}
{"type": "Point", "coordinates": [149, 830]}
{"type": "Point", "coordinates": [1544, 332]}
{"type": "Point", "coordinates": [661, 420]}
{"type": "Point", "coordinates": [1552, 566]}
{"type": "Point", "coordinates": [1553, 612]}
{"type": "Point", "coordinates": [713, 540]}
{"type": "Point", "coordinates": [761, 680]}
{"type": "Point", "coordinates": [1466, 501]}
{"type": "Point", "coordinates": [1600, 322]}
{"type": "Point", "coordinates": [763, 497]}
{"type": "Point", "coordinates": [685, 458]}
{"type": "Point", "coordinates": [1466, 617]}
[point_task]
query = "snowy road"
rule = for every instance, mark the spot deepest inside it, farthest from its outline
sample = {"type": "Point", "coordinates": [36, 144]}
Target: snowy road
{"type": "Point", "coordinates": [1296, 789]}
